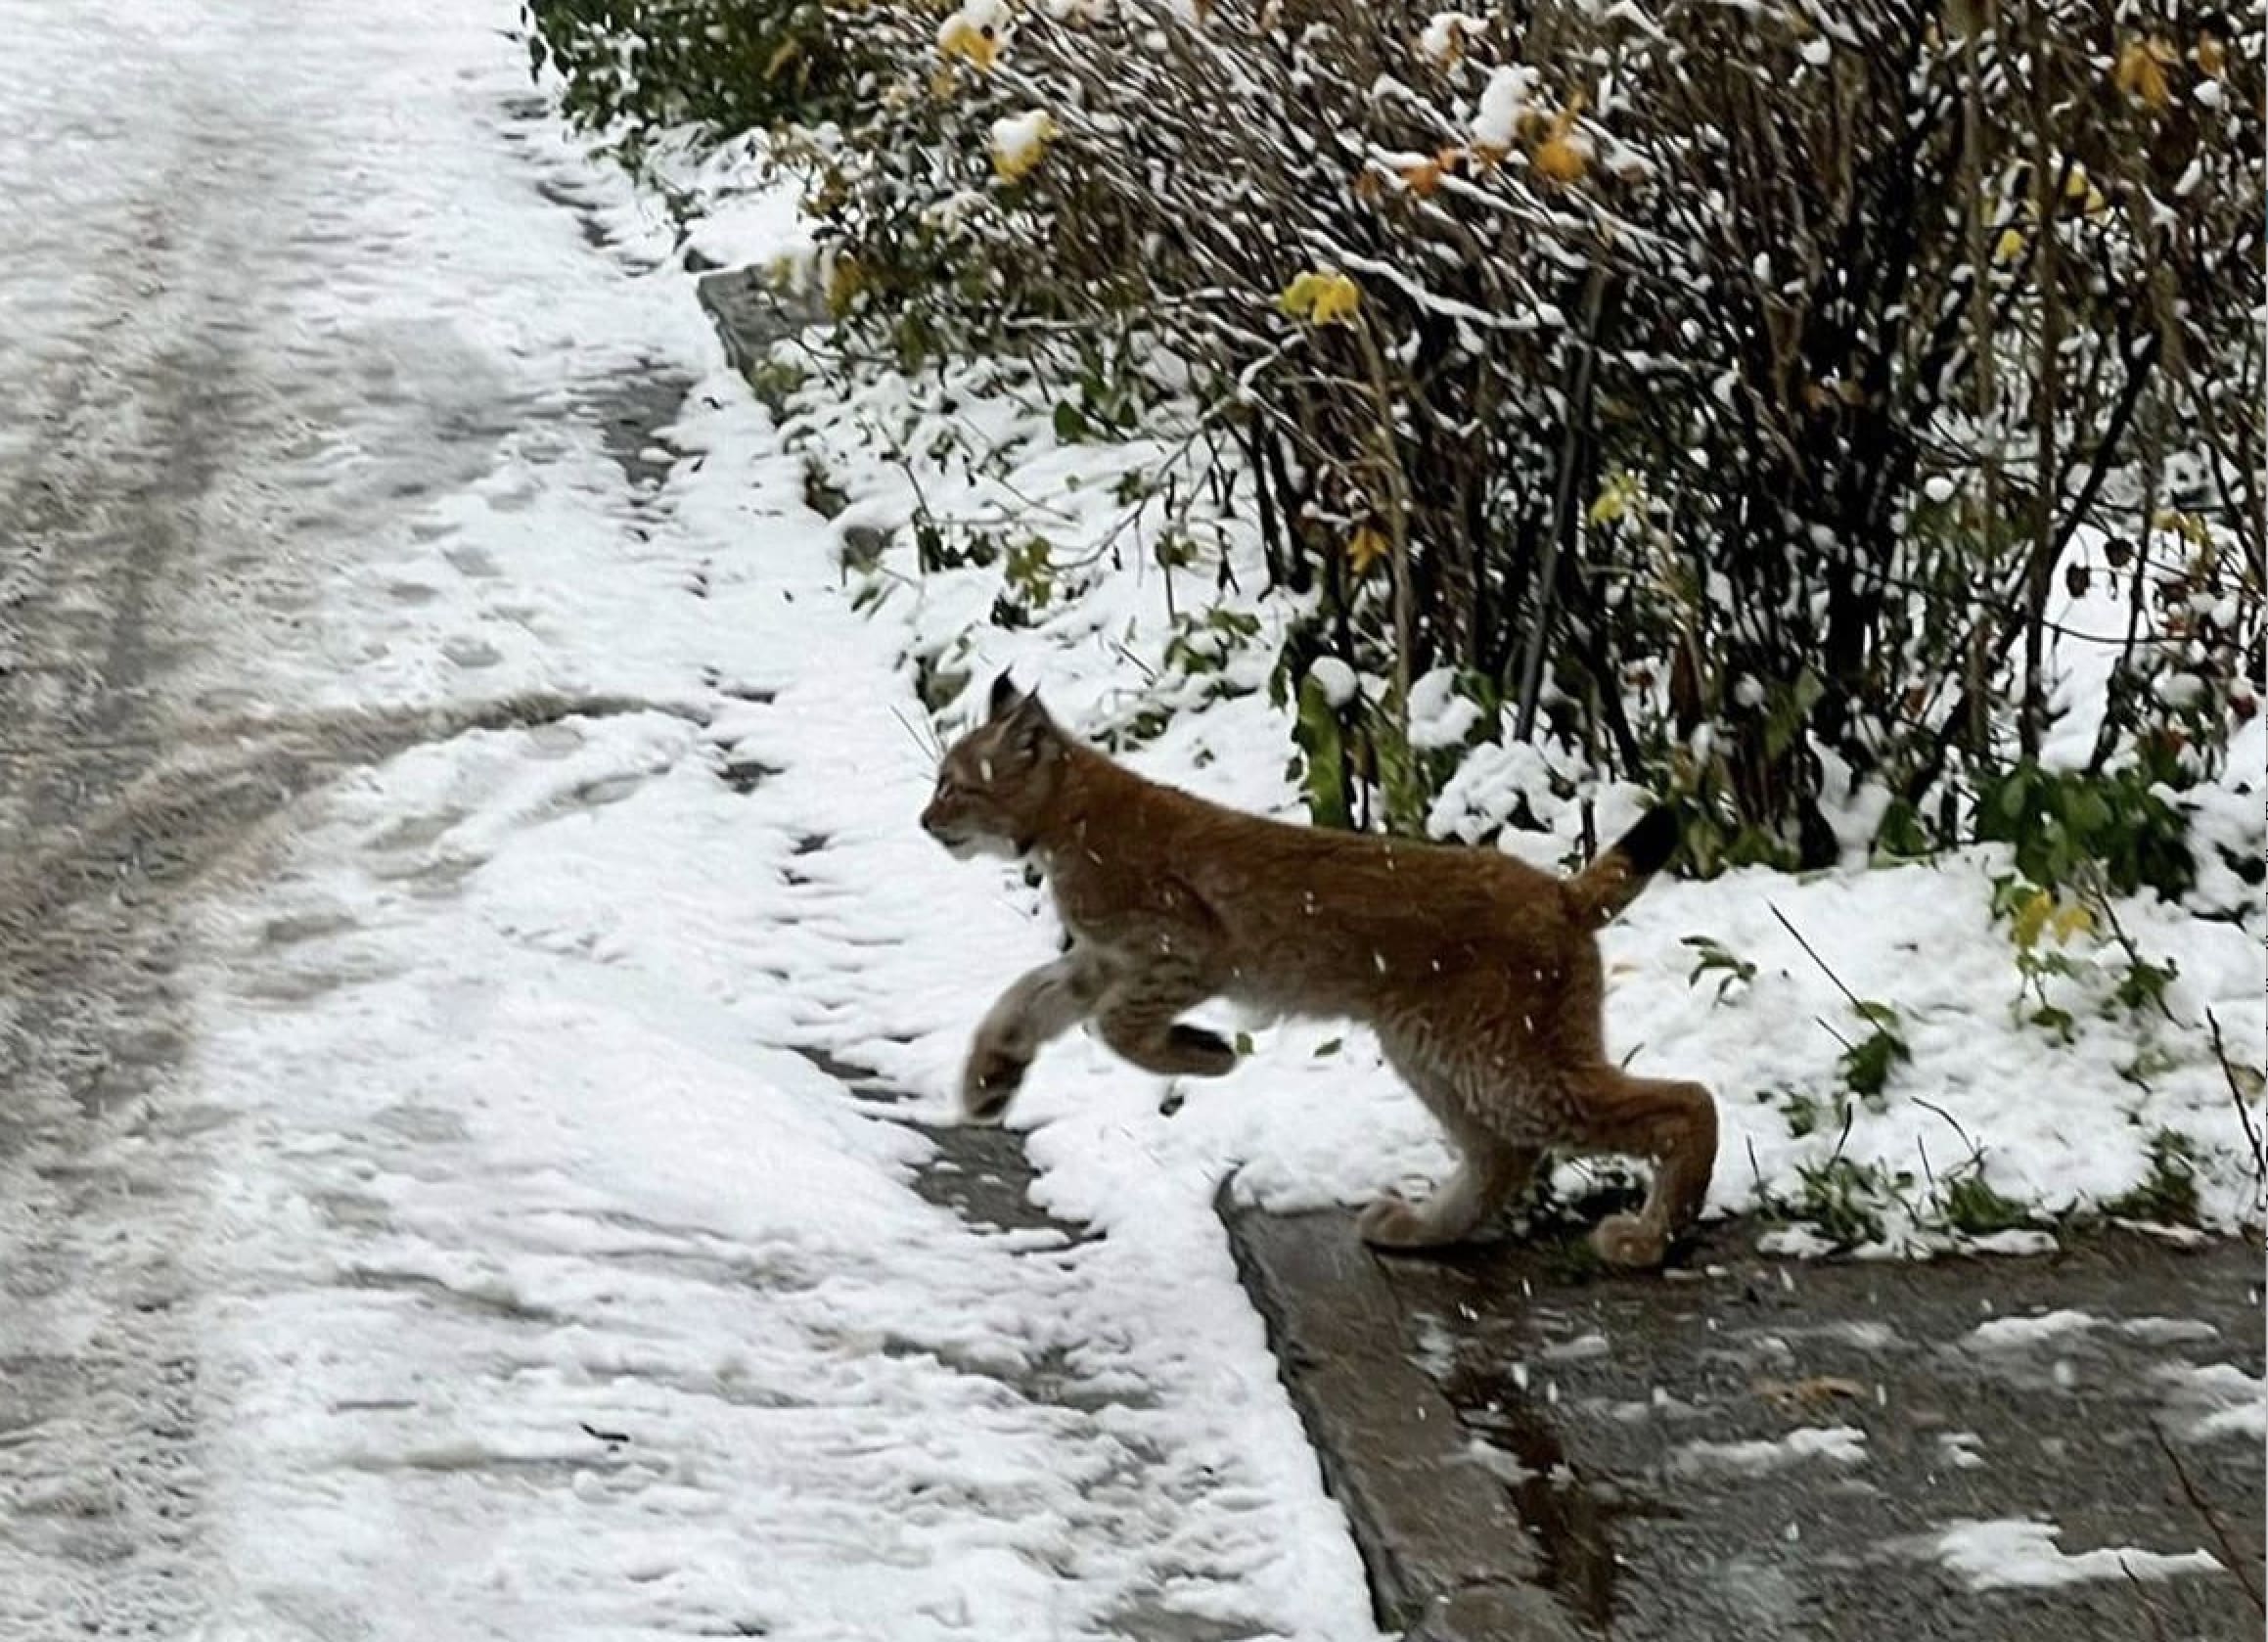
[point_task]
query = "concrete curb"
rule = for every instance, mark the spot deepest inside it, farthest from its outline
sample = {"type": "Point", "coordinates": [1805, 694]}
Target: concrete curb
{"type": "Point", "coordinates": [1449, 1560]}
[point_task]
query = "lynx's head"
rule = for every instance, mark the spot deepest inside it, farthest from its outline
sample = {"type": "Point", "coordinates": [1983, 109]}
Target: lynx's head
{"type": "Point", "coordinates": [995, 782]}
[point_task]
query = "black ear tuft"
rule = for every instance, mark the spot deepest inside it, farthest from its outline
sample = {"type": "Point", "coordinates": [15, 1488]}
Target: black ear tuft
{"type": "Point", "coordinates": [1005, 697]}
{"type": "Point", "coordinates": [1029, 727]}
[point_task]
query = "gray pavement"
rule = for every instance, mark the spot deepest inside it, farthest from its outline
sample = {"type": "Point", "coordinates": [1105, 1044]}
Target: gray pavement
{"type": "Point", "coordinates": [1773, 1450]}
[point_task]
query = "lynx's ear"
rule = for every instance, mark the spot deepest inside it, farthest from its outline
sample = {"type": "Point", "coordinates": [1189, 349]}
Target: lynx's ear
{"type": "Point", "coordinates": [1006, 698]}
{"type": "Point", "coordinates": [1028, 728]}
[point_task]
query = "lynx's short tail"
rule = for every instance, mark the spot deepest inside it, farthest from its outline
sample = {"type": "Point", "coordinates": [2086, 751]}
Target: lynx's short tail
{"type": "Point", "coordinates": [1614, 878]}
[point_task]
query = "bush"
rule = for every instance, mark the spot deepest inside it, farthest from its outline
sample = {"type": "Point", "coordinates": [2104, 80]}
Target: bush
{"type": "Point", "coordinates": [635, 70]}
{"type": "Point", "coordinates": [1748, 399]}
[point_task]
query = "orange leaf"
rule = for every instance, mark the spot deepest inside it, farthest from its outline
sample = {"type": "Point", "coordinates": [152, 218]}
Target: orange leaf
{"type": "Point", "coordinates": [1421, 178]}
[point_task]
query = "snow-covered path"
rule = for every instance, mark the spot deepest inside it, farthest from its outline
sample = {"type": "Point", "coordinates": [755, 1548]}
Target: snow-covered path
{"type": "Point", "coordinates": [443, 785]}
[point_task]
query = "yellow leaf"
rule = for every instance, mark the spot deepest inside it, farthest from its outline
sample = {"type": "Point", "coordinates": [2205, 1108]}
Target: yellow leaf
{"type": "Point", "coordinates": [2009, 246]}
{"type": "Point", "coordinates": [2072, 920]}
{"type": "Point", "coordinates": [1561, 155]}
{"type": "Point", "coordinates": [844, 281]}
{"type": "Point", "coordinates": [1336, 301]}
{"type": "Point", "coordinates": [2079, 187]}
{"type": "Point", "coordinates": [1560, 160]}
{"type": "Point", "coordinates": [1019, 142]}
{"type": "Point", "coordinates": [2141, 71]}
{"type": "Point", "coordinates": [789, 50]}
{"type": "Point", "coordinates": [1298, 297]}
{"type": "Point", "coordinates": [2212, 56]}
{"type": "Point", "coordinates": [971, 42]}
{"type": "Point", "coordinates": [2031, 917]}
{"type": "Point", "coordinates": [1614, 499]}
{"type": "Point", "coordinates": [1364, 548]}
{"type": "Point", "coordinates": [1320, 297]}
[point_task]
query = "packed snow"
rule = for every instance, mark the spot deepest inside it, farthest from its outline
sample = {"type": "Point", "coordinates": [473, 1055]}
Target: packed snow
{"type": "Point", "coordinates": [1827, 1444]}
{"type": "Point", "coordinates": [2018, 1554]}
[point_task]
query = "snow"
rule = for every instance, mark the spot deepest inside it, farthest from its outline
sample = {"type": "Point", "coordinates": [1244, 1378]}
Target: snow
{"type": "Point", "coordinates": [1442, 41]}
{"type": "Point", "coordinates": [1018, 141]}
{"type": "Point", "coordinates": [2026, 1332]}
{"type": "Point", "coordinates": [1336, 679]}
{"type": "Point", "coordinates": [1844, 1446]}
{"type": "Point", "coordinates": [2016, 1554]}
{"type": "Point", "coordinates": [2215, 1400]}
{"type": "Point", "coordinates": [1959, 1449]}
{"type": "Point", "coordinates": [2023, 1242]}
{"type": "Point", "coordinates": [1797, 1242]}
{"type": "Point", "coordinates": [1504, 101]}
{"type": "Point", "coordinates": [1440, 717]}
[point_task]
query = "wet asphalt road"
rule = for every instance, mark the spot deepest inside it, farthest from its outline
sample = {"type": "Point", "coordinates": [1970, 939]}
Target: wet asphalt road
{"type": "Point", "coordinates": [1756, 1449]}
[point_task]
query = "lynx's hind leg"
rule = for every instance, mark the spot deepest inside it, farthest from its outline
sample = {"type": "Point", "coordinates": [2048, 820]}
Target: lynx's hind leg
{"type": "Point", "coordinates": [1491, 1169]}
{"type": "Point", "coordinates": [1672, 1123]}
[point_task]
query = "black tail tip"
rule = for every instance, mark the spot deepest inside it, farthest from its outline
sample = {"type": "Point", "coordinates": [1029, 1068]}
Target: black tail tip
{"type": "Point", "coordinates": [1649, 845]}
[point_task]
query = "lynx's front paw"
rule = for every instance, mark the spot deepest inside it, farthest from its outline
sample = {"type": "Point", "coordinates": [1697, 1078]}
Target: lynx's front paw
{"type": "Point", "coordinates": [1629, 1242]}
{"type": "Point", "coordinates": [990, 1080]}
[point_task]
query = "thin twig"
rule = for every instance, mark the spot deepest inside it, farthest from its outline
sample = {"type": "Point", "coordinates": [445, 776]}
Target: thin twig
{"type": "Point", "coordinates": [2237, 1562]}
{"type": "Point", "coordinates": [1976, 1152]}
{"type": "Point", "coordinates": [1849, 1111]}
{"type": "Point", "coordinates": [2149, 1604]}
{"type": "Point", "coordinates": [1813, 953]}
{"type": "Point", "coordinates": [2252, 1136]}
{"type": "Point", "coordinates": [929, 746]}
{"type": "Point", "coordinates": [2102, 898]}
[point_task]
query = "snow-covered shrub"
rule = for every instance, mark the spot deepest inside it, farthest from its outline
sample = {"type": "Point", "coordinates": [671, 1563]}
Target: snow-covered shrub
{"type": "Point", "coordinates": [1748, 392]}
{"type": "Point", "coordinates": [637, 70]}
{"type": "Point", "coordinates": [1764, 402]}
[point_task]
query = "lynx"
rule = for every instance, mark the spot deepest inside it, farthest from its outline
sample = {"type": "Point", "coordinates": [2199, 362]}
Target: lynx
{"type": "Point", "coordinates": [1479, 974]}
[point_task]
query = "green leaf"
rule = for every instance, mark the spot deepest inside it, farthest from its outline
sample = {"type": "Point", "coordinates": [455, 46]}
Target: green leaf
{"type": "Point", "coordinates": [1867, 1064]}
{"type": "Point", "coordinates": [1070, 423]}
{"type": "Point", "coordinates": [1317, 733]}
